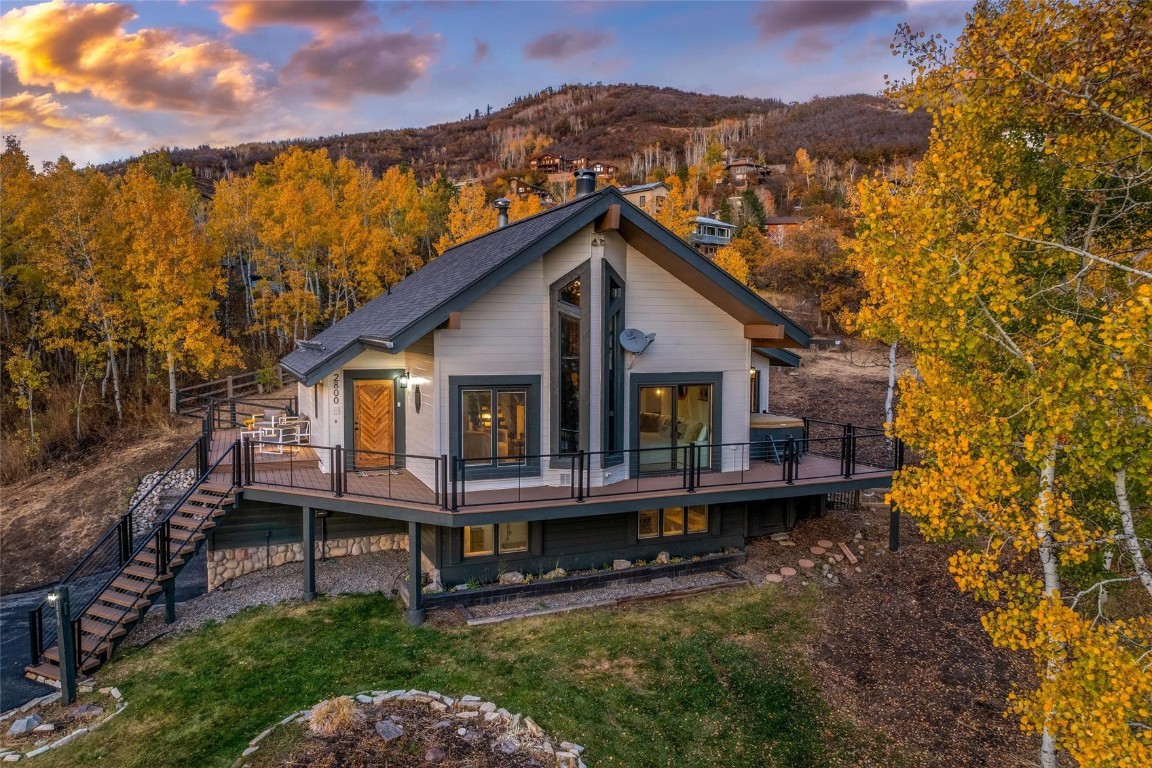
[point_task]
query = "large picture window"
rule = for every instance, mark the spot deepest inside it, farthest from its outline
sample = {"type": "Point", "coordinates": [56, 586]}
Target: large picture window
{"type": "Point", "coordinates": [494, 424]}
{"type": "Point", "coordinates": [568, 351]}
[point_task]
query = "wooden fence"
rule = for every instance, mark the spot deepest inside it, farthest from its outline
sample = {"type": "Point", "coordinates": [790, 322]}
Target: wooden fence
{"type": "Point", "coordinates": [193, 400]}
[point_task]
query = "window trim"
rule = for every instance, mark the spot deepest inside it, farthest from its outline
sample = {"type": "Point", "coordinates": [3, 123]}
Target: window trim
{"type": "Point", "coordinates": [638, 380]}
{"type": "Point", "coordinates": [528, 382]}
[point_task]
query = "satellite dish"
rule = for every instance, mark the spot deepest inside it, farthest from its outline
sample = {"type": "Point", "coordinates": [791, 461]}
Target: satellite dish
{"type": "Point", "coordinates": [635, 341]}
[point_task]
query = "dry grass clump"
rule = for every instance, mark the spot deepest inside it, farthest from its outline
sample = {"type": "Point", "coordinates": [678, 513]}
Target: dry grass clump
{"type": "Point", "coordinates": [333, 716]}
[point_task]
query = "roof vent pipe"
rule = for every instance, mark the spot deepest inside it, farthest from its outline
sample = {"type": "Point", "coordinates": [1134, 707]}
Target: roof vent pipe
{"type": "Point", "coordinates": [502, 205]}
{"type": "Point", "coordinates": [585, 182]}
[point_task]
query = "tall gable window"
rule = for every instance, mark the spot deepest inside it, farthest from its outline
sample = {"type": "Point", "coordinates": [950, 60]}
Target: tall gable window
{"type": "Point", "coordinates": [569, 360]}
{"type": "Point", "coordinates": [612, 437]}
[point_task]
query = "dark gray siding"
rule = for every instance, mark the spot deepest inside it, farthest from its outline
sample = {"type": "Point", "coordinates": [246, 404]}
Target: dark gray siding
{"type": "Point", "coordinates": [776, 515]}
{"type": "Point", "coordinates": [591, 542]}
{"type": "Point", "coordinates": [254, 524]}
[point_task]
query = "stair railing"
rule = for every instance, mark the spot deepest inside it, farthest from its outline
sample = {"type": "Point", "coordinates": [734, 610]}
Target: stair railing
{"type": "Point", "coordinates": [110, 552]}
{"type": "Point", "coordinates": [161, 537]}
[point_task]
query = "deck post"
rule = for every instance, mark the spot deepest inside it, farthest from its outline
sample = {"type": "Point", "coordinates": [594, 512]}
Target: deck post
{"type": "Point", "coordinates": [169, 586]}
{"type": "Point", "coordinates": [894, 529]}
{"type": "Point", "coordinates": [415, 577]}
{"type": "Point", "coordinates": [66, 640]}
{"type": "Point", "coordinates": [309, 555]}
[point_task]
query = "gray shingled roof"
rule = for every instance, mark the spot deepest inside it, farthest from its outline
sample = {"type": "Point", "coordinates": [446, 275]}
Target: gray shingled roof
{"type": "Point", "coordinates": [387, 316]}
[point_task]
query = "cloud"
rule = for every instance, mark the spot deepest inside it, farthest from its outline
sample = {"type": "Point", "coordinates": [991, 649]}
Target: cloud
{"type": "Point", "coordinates": [777, 19]}
{"type": "Point", "coordinates": [246, 15]}
{"type": "Point", "coordinates": [481, 51]}
{"type": "Point", "coordinates": [42, 114]}
{"type": "Point", "coordinates": [566, 43]}
{"type": "Point", "coordinates": [378, 63]}
{"type": "Point", "coordinates": [85, 48]}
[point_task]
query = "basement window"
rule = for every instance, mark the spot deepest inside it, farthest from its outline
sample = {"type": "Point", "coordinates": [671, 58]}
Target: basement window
{"type": "Point", "coordinates": [672, 521]}
{"type": "Point", "coordinates": [495, 539]}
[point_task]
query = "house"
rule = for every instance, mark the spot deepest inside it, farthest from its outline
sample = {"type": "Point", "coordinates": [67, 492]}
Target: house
{"type": "Point", "coordinates": [566, 390]}
{"type": "Point", "coordinates": [648, 196]}
{"type": "Point", "coordinates": [744, 172]}
{"type": "Point", "coordinates": [522, 189]}
{"type": "Point", "coordinates": [602, 169]}
{"type": "Point", "coordinates": [777, 228]}
{"type": "Point", "coordinates": [709, 235]}
{"type": "Point", "coordinates": [547, 163]}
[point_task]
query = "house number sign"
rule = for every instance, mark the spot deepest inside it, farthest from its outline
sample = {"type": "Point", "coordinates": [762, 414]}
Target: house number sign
{"type": "Point", "coordinates": [336, 394]}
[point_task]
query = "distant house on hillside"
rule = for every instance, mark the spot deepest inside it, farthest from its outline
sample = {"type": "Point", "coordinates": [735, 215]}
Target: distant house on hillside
{"type": "Point", "coordinates": [649, 196]}
{"type": "Point", "coordinates": [744, 172]}
{"type": "Point", "coordinates": [708, 235]}
{"type": "Point", "coordinates": [547, 163]}
{"type": "Point", "coordinates": [777, 228]}
{"type": "Point", "coordinates": [603, 169]}
{"type": "Point", "coordinates": [522, 189]}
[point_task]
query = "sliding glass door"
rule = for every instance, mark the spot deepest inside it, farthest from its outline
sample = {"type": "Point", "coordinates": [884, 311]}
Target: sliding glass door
{"type": "Point", "coordinates": [672, 416]}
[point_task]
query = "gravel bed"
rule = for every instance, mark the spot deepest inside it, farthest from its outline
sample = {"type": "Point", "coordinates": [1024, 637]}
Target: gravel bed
{"type": "Point", "coordinates": [359, 574]}
{"type": "Point", "coordinates": [600, 594]}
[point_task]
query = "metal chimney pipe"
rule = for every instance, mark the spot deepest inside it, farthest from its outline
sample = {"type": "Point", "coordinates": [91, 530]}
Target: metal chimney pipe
{"type": "Point", "coordinates": [585, 182]}
{"type": "Point", "coordinates": [502, 205]}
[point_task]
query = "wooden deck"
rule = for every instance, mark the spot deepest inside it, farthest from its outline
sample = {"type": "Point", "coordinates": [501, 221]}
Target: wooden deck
{"type": "Point", "coordinates": [298, 472]}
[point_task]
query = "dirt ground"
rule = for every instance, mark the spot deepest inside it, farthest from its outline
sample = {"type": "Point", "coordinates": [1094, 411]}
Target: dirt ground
{"type": "Point", "coordinates": [845, 385]}
{"type": "Point", "coordinates": [48, 521]}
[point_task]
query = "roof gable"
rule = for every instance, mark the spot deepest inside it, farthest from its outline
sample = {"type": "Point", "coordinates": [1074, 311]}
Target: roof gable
{"type": "Point", "coordinates": [424, 300]}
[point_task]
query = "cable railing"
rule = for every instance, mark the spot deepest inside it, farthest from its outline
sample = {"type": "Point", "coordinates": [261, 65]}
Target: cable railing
{"type": "Point", "coordinates": [109, 554]}
{"type": "Point", "coordinates": [830, 451]}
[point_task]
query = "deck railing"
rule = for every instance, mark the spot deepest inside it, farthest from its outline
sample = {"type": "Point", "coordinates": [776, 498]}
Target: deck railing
{"type": "Point", "coordinates": [108, 555]}
{"type": "Point", "coordinates": [192, 400]}
{"type": "Point", "coordinates": [454, 483]}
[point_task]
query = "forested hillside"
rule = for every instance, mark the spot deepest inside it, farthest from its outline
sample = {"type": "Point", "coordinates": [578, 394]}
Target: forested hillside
{"type": "Point", "coordinates": [636, 126]}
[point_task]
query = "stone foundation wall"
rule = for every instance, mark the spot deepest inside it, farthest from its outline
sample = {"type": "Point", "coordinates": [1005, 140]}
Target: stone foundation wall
{"type": "Point", "coordinates": [225, 564]}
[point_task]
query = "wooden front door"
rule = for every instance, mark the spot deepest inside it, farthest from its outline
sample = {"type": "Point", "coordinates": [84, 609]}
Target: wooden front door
{"type": "Point", "coordinates": [374, 428]}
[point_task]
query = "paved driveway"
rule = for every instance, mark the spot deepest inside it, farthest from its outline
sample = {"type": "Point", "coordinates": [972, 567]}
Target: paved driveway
{"type": "Point", "coordinates": [15, 689]}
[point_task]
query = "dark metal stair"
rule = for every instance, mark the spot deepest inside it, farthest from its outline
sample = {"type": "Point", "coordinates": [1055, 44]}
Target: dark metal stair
{"type": "Point", "coordinates": [109, 616]}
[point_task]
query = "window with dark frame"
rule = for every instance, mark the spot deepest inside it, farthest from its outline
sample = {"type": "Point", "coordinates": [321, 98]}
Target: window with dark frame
{"type": "Point", "coordinates": [672, 521]}
{"type": "Point", "coordinates": [613, 377]}
{"type": "Point", "coordinates": [568, 365]}
{"type": "Point", "coordinates": [494, 425]}
{"type": "Point", "coordinates": [754, 392]}
{"type": "Point", "coordinates": [495, 539]}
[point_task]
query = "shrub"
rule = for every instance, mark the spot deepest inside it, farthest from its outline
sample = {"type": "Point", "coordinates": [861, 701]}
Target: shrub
{"type": "Point", "coordinates": [333, 716]}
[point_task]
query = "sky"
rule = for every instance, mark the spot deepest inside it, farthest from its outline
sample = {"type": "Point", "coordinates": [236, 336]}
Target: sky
{"type": "Point", "coordinates": [103, 81]}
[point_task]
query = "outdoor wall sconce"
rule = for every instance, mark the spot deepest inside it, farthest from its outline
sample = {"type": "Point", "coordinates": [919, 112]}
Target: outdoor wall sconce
{"type": "Point", "coordinates": [403, 380]}
{"type": "Point", "coordinates": [417, 393]}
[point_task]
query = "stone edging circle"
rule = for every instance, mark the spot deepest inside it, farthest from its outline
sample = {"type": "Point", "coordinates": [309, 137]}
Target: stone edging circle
{"type": "Point", "coordinates": [68, 737]}
{"type": "Point", "coordinates": [464, 708]}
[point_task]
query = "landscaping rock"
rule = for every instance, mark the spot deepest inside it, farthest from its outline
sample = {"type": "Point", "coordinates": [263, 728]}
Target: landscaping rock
{"type": "Point", "coordinates": [556, 573]}
{"type": "Point", "coordinates": [787, 543]}
{"type": "Point", "coordinates": [511, 577]}
{"type": "Point", "coordinates": [506, 745]}
{"type": "Point", "coordinates": [435, 756]}
{"type": "Point", "coordinates": [24, 725]}
{"type": "Point", "coordinates": [825, 543]}
{"type": "Point", "coordinates": [780, 537]}
{"type": "Point", "coordinates": [621, 565]}
{"type": "Point", "coordinates": [388, 730]}
{"type": "Point", "coordinates": [774, 578]}
{"type": "Point", "coordinates": [786, 571]}
{"type": "Point", "coordinates": [86, 710]}
{"type": "Point", "coordinates": [46, 728]}
{"type": "Point", "coordinates": [805, 563]}
{"type": "Point", "coordinates": [817, 550]}
{"type": "Point", "coordinates": [663, 558]}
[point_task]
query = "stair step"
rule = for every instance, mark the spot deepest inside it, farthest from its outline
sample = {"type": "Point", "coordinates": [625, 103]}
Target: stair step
{"type": "Point", "coordinates": [179, 534]}
{"type": "Point", "coordinates": [147, 558]}
{"type": "Point", "coordinates": [190, 523]}
{"type": "Point", "coordinates": [143, 572]}
{"type": "Point", "coordinates": [102, 629]}
{"type": "Point", "coordinates": [210, 500]}
{"type": "Point", "coordinates": [121, 599]}
{"type": "Point", "coordinates": [213, 487]}
{"type": "Point", "coordinates": [135, 586]}
{"type": "Point", "coordinates": [201, 513]}
{"type": "Point", "coordinates": [92, 661]}
{"type": "Point", "coordinates": [121, 614]}
{"type": "Point", "coordinates": [49, 671]}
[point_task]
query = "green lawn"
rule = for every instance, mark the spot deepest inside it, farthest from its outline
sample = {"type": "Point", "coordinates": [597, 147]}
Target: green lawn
{"type": "Point", "coordinates": [712, 681]}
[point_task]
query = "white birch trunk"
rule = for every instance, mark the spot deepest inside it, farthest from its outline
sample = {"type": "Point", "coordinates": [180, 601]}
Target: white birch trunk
{"type": "Point", "coordinates": [889, 398]}
{"type": "Point", "coordinates": [1051, 577]}
{"type": "Point", "coordinates": [171, 382]}
{"type": "Point", "coordinates": [1131, 542]}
